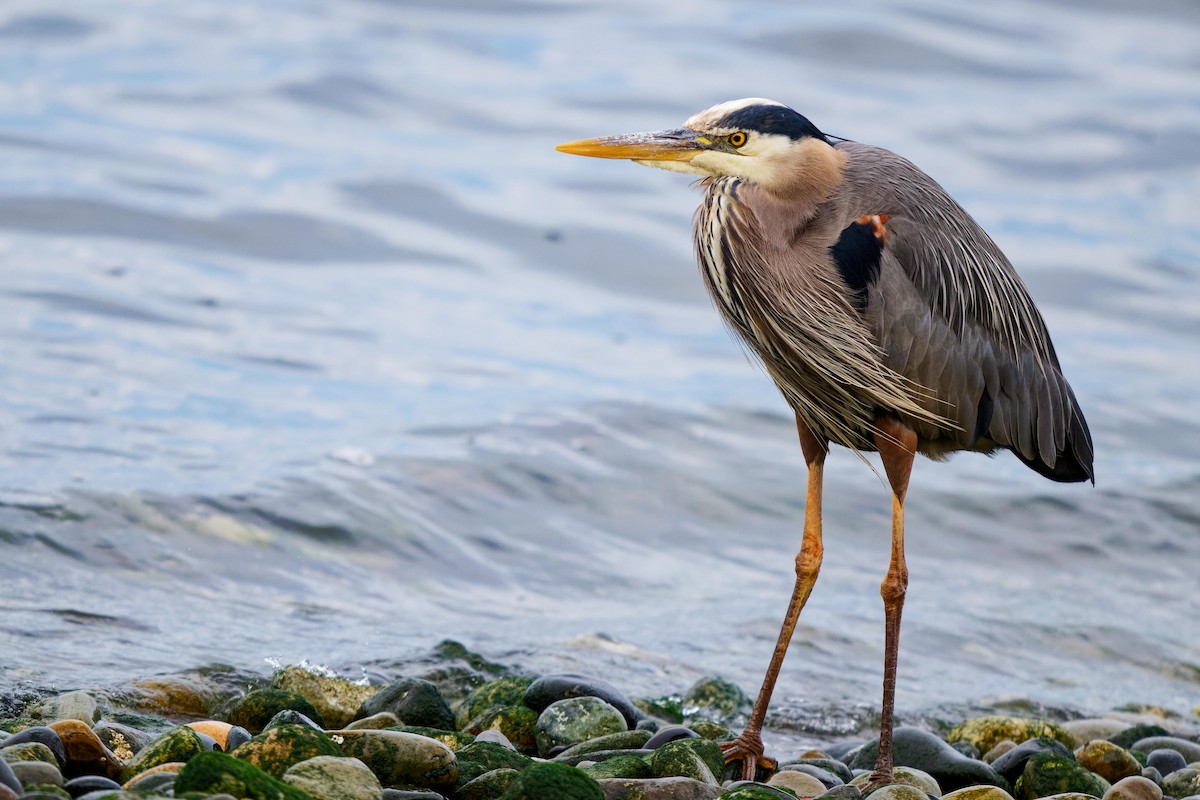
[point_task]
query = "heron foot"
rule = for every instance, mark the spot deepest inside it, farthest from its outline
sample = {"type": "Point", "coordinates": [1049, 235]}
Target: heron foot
{"type": "Point", "coordinates": [748, 749]}
{"type": "Point", "coordinates": [879, 778]}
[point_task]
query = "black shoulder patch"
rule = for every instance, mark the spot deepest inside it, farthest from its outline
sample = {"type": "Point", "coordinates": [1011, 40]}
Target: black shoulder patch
{"type": "Point", "coordinates": [772, 119]}
{"type": "Point", "coordinates": [857, 256]}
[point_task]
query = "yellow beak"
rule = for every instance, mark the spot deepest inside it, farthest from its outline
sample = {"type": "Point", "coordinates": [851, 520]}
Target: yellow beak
{"type": "Point", "coordinates": [676, 145]}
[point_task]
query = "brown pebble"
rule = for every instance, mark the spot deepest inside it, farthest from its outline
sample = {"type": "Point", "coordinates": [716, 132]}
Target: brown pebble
{"type": "Point", "coordinates": [219, 731]}
{"type": "Point", "coordinates": [170, 766]}
{"type": "Point", "coordinates": [1107, 760]}
{"type": "Point", "coordinates": [1134, 787]}
{"type": "Point", "coordinates": [6, 793]}
{"type": "Point", "coordinates": [86, 754]}
{"type": "Point", "coordinates": [814, 754]}
{"type": "Point", "coordinates": [1002, 747]}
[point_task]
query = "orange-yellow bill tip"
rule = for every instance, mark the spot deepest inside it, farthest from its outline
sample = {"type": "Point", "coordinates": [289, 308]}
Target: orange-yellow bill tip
{"type": "Point", "coordinates": [661, 146]}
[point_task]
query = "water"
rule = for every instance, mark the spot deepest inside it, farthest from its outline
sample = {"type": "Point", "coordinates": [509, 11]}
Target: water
{"type": "Point", "coordinates": [315, 349]}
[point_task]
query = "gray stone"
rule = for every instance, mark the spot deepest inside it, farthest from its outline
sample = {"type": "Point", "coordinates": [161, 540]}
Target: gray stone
{"type": "Point", "coordinates": [978, 793]}
{"type": "Point", "coordinates": [905, 776]}
{"type": "Point", "coordinates": [402, 759]}
{"type": "Point", "coordinates": [1189, 750]}
{"type": "Point", "coordinates": [496, 737]}
{"type": "Point", "coordinates": [549, 689]}
{"type": "Point", "coordinates": [333, 778]}
{"type": "Point", "coordinates": [1165, 761]}
{"type": "Point", "coordinates": [827, 778]}
{"type": "Point", "coordinates": [415, 701]}
{"type": "Point", "coordinates": [33, 773]}
{"type": "Point", "coordinates": [71, 705]}
{"type": "Point", "coordinates": [659, 789]}
{"type": "Point", "coordinates": [574, 720]}
{"type": "Point", "coordinates": [843, 792]}
{"type": "Point", "coordinates": [914, 747]}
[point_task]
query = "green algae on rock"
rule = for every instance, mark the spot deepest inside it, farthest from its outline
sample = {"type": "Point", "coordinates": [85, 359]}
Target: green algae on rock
{"type": "Point", "coordinates": [621, 740]}
{"type": "Point", "coordinates": [568, 722]}
{"type": "Point", "coordinates": [213, 773]}
{"type": "Point", "coordinates": [1107, 760]}
{"type": "Point", "coordinates": [337, 700]}
{"type": "Point", "coordinates": [507, 691]}
{"type": "Point", "coordinates": [488, 786]}
{"type": "Point", "coordinates": [1182, 783]}
{"type": "Point", "coordinates": [455, 740]}
{"type": "Point", "coordinates": [699, 759]}
{"type": "Point", "coordinates": [986, 732]}
{"type": "Point", "coordinates": [177, 744]}
{"type": "Point", "coordinates": [551, 780]}
{"type": "Point", "coordinates": [715, 698]}
{"type": "Point", "coordinates": [277, 749]}
{"type": "Point", "coordinates": [978, 793]}
{"type": "Point", "coordinates": [518, 723]}
{"type": "Point", "coordinates": [1050, 773]}
{"type": "Point", "coordinates": [479, 758]}
{"type": "Point", "coordinates": [28, 751]}
{"type": "Point", "coordinates": [414, 700]}
{"type": "Point", "coordinates": [256, 708]}
{"type": "Point", "coordinates": [401, 759]}
{"type": "Point", "coordinates": [621, 766]}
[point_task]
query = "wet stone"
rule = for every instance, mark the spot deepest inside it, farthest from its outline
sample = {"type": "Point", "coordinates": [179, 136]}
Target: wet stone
{"type": "Point", "coordinates": [31, 773]}
{"type": "Point", "coordinates": [1165, 761]}
{"type": "Point", "coordinates": [967, 749]}
{"type": "Point", "coordinates": [904, 776]}
{"type": "Point", "coordinates": [751, 790]}
{"type": "Point", "coordinates": [669, 734]}
{"type": "Point", "coordinates": [509, 691]}
{"type": "Point", "coordinates": [236, 737]}
{"type": "Point", "coordinates": [495, 737]}
{"type": "Point", "coordinates": [333, 778]}
{"type": "Point", "coordinates": [1182, 783]}
{"type": "Point", "coordinates": [487, 786]}
{"type": "Point", "coordinates": [71, 705]}
{"type": "Point", "coordinates": [86, 754]}
{"type": "Point", "coordinates": [158, 780]}
{"type": "Point", "coordinates": [29, 751]}
{"type": "Point", "coordinates": [827, 778]}
{"type": "Point", "coordinates": [415, 701]}
{"type": "Point", "coordinates": [411, 794]}
{"type": "Point", "coordinates": [621, 766]}
{"type": "Point", "coordinates": [550, 689]}
{"type": "Point", "coordinates": [803, 784]}
{"type": "Point", "coordinates": [621, 740]}
{"type": "Point", "coordinates": [694, 758]}
{"type": "Point", "coordinates": [8, 777]}
{"type": "Point", "coordinates": [276, 749]}
{"type": "Point", "coordinates": [123, 740]}
{"type": "Point", "coordinates": [898, 791]}
{"type": "Point", "coordinates": [1012, 764]}
{"type": "Point", "coordinates": [289, 717]}
{"type": "Point", "coordinates": [1129, 737]}
{"type": "Point", "coordinates": [402, 759]}
{"type": "Point", "coordinates": [985, 732]}
{"type": "Point", "coordinates": [177, 745]}
{"type": "Point", "coordinates": [337, 700]}
{"type": "Point", "coordinates": [482, 757]}
{"type": "Point", "coordinates": [657, 789]}
{"type": "Point", "coordinates": [713, 731]}
{"type": "Point", "coordinates": [375, 722]}
{"type": "Point", "coordinates": [518, 724]}
{"type": "Point", "coordinates": [1085, 730]}
{"type": "Point", "coordinates": [40, 733]}
{"type": "Point", "coordinates": [77, 787]}
{"type": "Point", "coordinates": [213, 772]}
{"type": "Point", "coordinates": [715, 699]}
{"type": "Point", "coordinates": [254, 711]}
{"type": "Point", "coordinates": [1051, 773]}
{"type": "Point", "coordinates": [921, 750]}
{"type": "Point", "coordinates": [452, 739]}
{"type": "Point", "coordinates": [1152, 774]}
{"type": "Point", "coordinates": [1001, 747]}
{"type": "Point", "coordinates": [978, 793]}
{"type": "Point", "coordinates": [1134, 788]}
{"type": "Point", "coordinates": [550, 780]}
{"type": "Point", "coordinates": [843, 792]}
{"type": "Point", "coordinates": [597, 756]}
{"type": "Point", "coordinates": [1107, 760]}
{"type": "Point", "coordinates": [574, 720]}
{"type": "Point", "coordinates": [840, 770]}
{"type": "Point", "coordinates": [1189, 750]}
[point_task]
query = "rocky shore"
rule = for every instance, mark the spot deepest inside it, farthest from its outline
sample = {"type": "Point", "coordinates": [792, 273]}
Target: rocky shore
{"type": "Point", "coordinates": [463, 728]}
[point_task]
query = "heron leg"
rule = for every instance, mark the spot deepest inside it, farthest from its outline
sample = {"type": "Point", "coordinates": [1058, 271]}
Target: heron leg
{"type": "Point", "coordinates": [897, 445]}
{"type": "Point", "coordinates": [748, 747]}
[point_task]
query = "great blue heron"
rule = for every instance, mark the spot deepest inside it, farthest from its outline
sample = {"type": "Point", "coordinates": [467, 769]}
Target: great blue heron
{"type": "Point", "coordinates": [886, 316]}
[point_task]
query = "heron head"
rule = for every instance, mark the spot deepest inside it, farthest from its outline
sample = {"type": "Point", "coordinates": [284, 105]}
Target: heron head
{"type": "Point", "coordinates": [754, 139]}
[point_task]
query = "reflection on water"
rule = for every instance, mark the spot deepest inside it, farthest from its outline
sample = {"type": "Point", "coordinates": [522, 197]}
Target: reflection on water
{"type": "Point", "coordinates": [307, 328]}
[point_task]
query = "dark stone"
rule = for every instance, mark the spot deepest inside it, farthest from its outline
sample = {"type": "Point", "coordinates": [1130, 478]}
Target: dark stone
{"type": "Point", "coordinates": [415, 701]}
{"type": "Point", "coordinates": [1152, 774]}
{"type": "Point", "coordinates": [552, 688]}
{"type": "Point", "coordinates": [290, 716]}
{"type": "Point", "coordinates": [550, 780]}
{"type": "Point", "coordinates": [749, 790]}
{"type": "Point", "coordinates": [623, 740]}
{"type": "Point", "coordinates": [237, 735]}
{"type": "Point", "coordinates": [42, 735]}
{"type": "Point", "coordinates": [209, 742]}
{"type": "Point", "coordinates": [1012, 764]}
{"type": "Point", "coordinates": [843, 792]}
{"type": "Point", "coordinates": [669, 734]}
{"type": "Point", "coordinates": [1130, 736]}
{"type": "Point", "coordinates": [7, 777]}
{"type": "Point", "coordinates": [1049, 773]}
{"type": "Point", "coordinates": [913, 747]}
{"type": "Point", "coordinates": [966, 748]}
{"type": "Point", "coordinates": [1188, 749]}
{"type": "Point", "coordinates": [838, 750]}
{"type": "Point", "coordinates": [647, 724]}
{"type": "Point", "coordinates": [411, 794]}
{"type": "Point", "coordinates": [823, 775]}
{"type": "Point", "coordinates": [834, 766]}
{"type": "Point", "coordinates": [256, 709]}
{"type": "Point", "coordinates": [89, 783]}
{"type": "Point", "coordinates": [158, 783]}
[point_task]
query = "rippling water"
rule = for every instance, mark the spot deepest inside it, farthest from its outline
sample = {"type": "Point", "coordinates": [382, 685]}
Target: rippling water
{"type": "Point", "coordinates": [313, 348]}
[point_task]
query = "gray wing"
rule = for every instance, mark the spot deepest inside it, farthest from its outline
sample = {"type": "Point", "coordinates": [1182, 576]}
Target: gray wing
{"type": "Point", "coordinates": [953, 316]}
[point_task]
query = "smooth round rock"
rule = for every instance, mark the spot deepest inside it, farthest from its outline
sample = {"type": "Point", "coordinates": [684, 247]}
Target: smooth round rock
{"type": "Point", "coordinates": [904, 776]}
{"type": "Point", "coordinates": [214, 771]}
{"type": "Point", "coordinates": [175, 746]}
{"type": "Point", "coordinates": [824, 763]}
{"type": "Point", "coordinates": [1150, 773]}
{"type": "Point", "coordinates": [921, 750]}
{"type": "Point", "coordinates": [507, 691]}
{"type": "Point", "coordinates": [621, 740]}
{"type": "Point", "coordinates": [827, 778]}
{"type": "Point", "coordinates": [1085, 730]}
{"type": "Point", "coordinates": [496, 737]}
{"type": "Point", "coordinates": [574, 720]}
{"type": "Point", "coordinates": [1012, 764]}
{"type": "Point", "coordinates": [70, 705]}
{"type": "Point", "coordinates": [77, 787]}
{"type": "Point", "coordinates": [488, 785]}
{"type": "Point", "coordinates": [402, 759]}
{"type": "Point", "coordinates": [1001, 747]}
{"type": "Point", "coordinates": [125, 741]}
{"type": "Point", "coordinates": [156, 780]}
{"type": "Point", "coordinates": [548, 779]}
{"type": "Point", "coordinates": [550, 689]}
{"type": "Point", "coordinates": [277, 749]}
{"type": "Point", "coordinates": [256, 708]}
{"type": "Point", "coordinates": [657, 789]}
{"type": "Point", "coordinates": [1051, 773]}
{"type": "Point", "coordinates": [621, 766]}
{"type": "Point", "coordinates": [375, 722]}
{"type": "Point", "coordinates": [479, 758]}
{"type": "Point", "coordinates": [289, 716]}
{"type": "Point", "coordinates": [415, 701]}
{"type": "Point", "coordinates": [337, 700]}
{"type": "Point", "coordinates": [843, 792]}
{"type": "Point", "coordinates": [236, 737]}
{"type": "Point", "coordinates": [8, 777]}
{"type": "Point", "coordinates": [898, 791]}
{"type": "Point", "coordinates": [803, 784]}
{"type": "Point", "coordinates": [1134, 788]}
{"type": "Point", "coordinates": [86, 754]}
{"type": "Point", "coordinates": [29, 751]}
{"type": "Point", "coordinates": [216, 730]}
{"type": "Point", "coordinates": [332, 778]}
{"type": "Point", "coordinates": [715, 698]}
{"type": "Point", "coordinates": [695, 758]}
{"type": "Point", "coordinates": [1132, 735]}
{"type": "Point", "coordinates": [408, 794]}
{"type": "Point", "coordinates": [518, 724]}
{"type": "Point", "coordinates": [44, 735]}
{"type": "Point", "coordinates": [1189, 750]}
{"type": "Point", "coordinates": [985, 732]}
{"type": "Point", "coordinates": [669, 734]}
{"type": "Point", "coordinates": [1182, 783]}
{"type": "Point", "coordinates": [978, 793]}
{"type": "Point", "coordinates": [1165, 761]}
{"type": "Point", "coordinates": [753, 790]}
{"type": "Point", "coordinates": [1107, 760]}
{"type": "Point", "coordinates": [35, 773]}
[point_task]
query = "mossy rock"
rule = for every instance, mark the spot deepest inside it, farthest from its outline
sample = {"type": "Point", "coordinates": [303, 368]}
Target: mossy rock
{"type": "Point", "coordinates": [713, 731]}
{"type": "Point", "coordinates": [715, 697]}
{"type": "Point", "coordinates": [481, 757]}
{"type": "Point", "coordinates": [754, 792]}
{"type": "Point", "coordinates": [455, 740]}
{"type": "Point", "coordinates": [508, 691]}
{"type": "Point", "coordinates": [488, 786]}
{"type": "Point", "coordinates": [29, 751]}
{"type": "Point", "coordinates": [668, 708]}
{"type": "Point", "coordinates": [986, 732]}
{"type": "Point", "coordinates": [177, 744]}
{"type": "Point", "coordinates": [43, 791]}
{"type": "Point", "coordinates": [216, 773]}
{"type": "Point", "coordinates": [275, 750]}
{"type": "Point", "coordinates": [576, 719]}
{"type": "Point", "coordinates": [518, 724]}
{"type": "Point", "coordinates": [630, 766]}
{"type": "Point", "coordinates": [1182, 783]}
{"type": "Point", "coordinates": [699, 759]}
{"type": "Point", "coordinates": [1131, 736]}
{"type": "Point", "coordinates": [1108, 760]}
{"type": "Point", "coordinates": [18, 724]}
{"type": "Point", "coordinates": [334, 778]}
{"type": "Point", "coordinates": [621, 740]}
{"type": "Point", "coordinates": [1050, 773]}
{"type": "Point", "coordinates": [414, 700]}
{"type": "Point", "coordinates": [550, 780]}
{"type": "Point", "coordinates": [402, 759]}
{"type": "Point", "coordinates": [978, 793]}
{"type": "Point", "coordinates": [336, 699]}
{"type": "Point", "coordinates": [256, 709]}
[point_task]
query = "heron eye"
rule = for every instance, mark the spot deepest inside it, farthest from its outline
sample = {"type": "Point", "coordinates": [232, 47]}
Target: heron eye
{"type": "Point", "coordinates": [737, 139]}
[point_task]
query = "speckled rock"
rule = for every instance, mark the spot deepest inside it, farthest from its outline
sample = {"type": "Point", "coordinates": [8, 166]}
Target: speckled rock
{"type": "Point", "coordinates": [455, 740]}
{"type": "Point", "coordinates": [375, 722]}
{"type": "Point", "coordinates": [978, 793]}
{"type": "Point", "coordinates": [1085, 730]}
{"type": "Point", "coordinates": [488, 786]}
{"type": "Point", "coordinates": [550, 780]}
{"type": "Point", "coordinates": [256, 709]}
{"type": "Point", "coordinates": [402, 759]}
{"type": "Point", "coordinates": [481, 757]}
{"type": "Point", "coordinates": [715, 699]}
{"type": "Point", "coordinates": [1050, 773]}
{"type": "Point", "coordinates": [86, 754]}
{"type": "Point", "coordinates": [125, 741]}
{"type": "Point", "coordinates": [803, 784]}
{"type": "Point", "coordinates": [621, 740]}
{"type": "Point", "coordinates": [42, 735]}
{"type": "Point", "coordinates": [985, 732]}
{"type": "Point", "coordinates": [1189, 750]}
{"type": "Point", "coordinates": [333, 778]}
{"type": "Point", "coordinates": [1182, 783]}
{"type": "Point", "coordinates": [192, 695]}
{"type": "Point", "coordinates": [518, 723]}
{"type": "Point", "coordinates": [1107, 760]}
{"type": "Point", "coordinates": [1134, 788]}
{"type": "Point", "coordinates": [178, 744]}
{"type": "Point", "coordinates": [31, 773]}
{"type": "Point", "coordinates": [213, 772]}
{"type": "Point", "coordinates": [843, 792]}
{"type": "Point", "coordinates": [414, 700]}
{"type": "Point", "coordinates": [904, 776]}
{"type": "Point", "coordinates": [277, 749]}
{"type": "Point", "coordinates": [337, 700]}
{"type": "Point", "coordinates": [508, 691]}
{"type": "Point", "coordinates": [696, 758]}
{"type": "Point", "coordinates": [920, 749]}
{"type": "Point", "coordinates": [1012, 764]}
{"type": "Point", "coordinates": [70, 705]}
{"type": "Point", "coordinates": [29, 751]}
{"type": "Point", "coordinates": [898, 791]}
{"type": "Point", "coordinates": [550, 689]}
{"type": "Point", "coordinates": [622, 766]}
{"type": "Point", "coordinates": [574, 720]}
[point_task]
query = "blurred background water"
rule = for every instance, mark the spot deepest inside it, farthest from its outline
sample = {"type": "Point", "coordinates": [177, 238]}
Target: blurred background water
{"type": "Point", "coordinates": [313, 347]}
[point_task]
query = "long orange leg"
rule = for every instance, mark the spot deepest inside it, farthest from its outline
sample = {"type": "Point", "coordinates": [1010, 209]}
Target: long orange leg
{"type": "Point", "coordinates": [748, 748]}
{"type": "Point", "coordinates": [897, 445]}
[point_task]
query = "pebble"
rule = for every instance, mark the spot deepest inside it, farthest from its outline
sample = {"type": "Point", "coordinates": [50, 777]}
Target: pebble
{"type": "Point", "coordinates": [619, 766]}
{"type": "Point", "coordinates": [574, 720]}
{"type": "Point", "coordinates": [215, 771]}
{"type": "Point", "coordinates": [482, 757]}
{"type": "Point", "coordinates": [489, 785]}
{"type": "Point", "coordinates": [375, 722]}
{"type": "Point", "coordinates": [1107, 760]}
{"type": "Point", "coordinates": [256, 709]}
{"type": "Point", "coordinates": [402, 759]}
{"type": "Point", "coordinates": [29, 751]}
{"type": "Point", "coordinates": [77, 787]}
{"type": "Point", "coordinates": [717, 698]}
{"type": "Point", "coordinates": [1182, 783]}
{"type": "Point", "coordinates": [86, 754]}
{"type": "Point", "coordinates": [175, 746]}
{"type": "Point", "coordinates": [550, 689]}
{"type": "Point", "coordinates": [698, 759]}
{"type": "Point", "coordinates": [1051, 773]}
{"type": "Point", "coordinates": [31, 773]}
{"type": "Point", "coordinates": [496, 737]}
{"type": "Point", "coordinates": [333, 778]}
{"type": "Point", "coordinates": [1001, 747]}
{"type": "Point", "coordinates": [920, 749]}
{"type": "Point", "coordinates": [985, 732]}
{"type": "Point", "coordinates": [517, 723]}
{"type": "Point", "coordinates": [276, 749]}
{"type": "Point", "coordinates": [905, 776]}
{"type": "Point", "coordinates": [803, 784]}
{"type": "Point", "coordinates": [978, 793]}
{"type": "Point", "coordinates": [621, 740]}
{"type": "Point", "coordinates": [124, 740]}
{"type": "Point", "coordinates": [1012, 764]}
{"type": "Point", "coordinates": [827, 778]}
{"type": "Point", "coordinates": [837, 768]}
{"type": "Point", "coordinates": [657, 789]}
{"type": "Point", "coordinates": [1085, 730]}
{"type": "Point", "coordinates": [158, 779]}
{"type": "Point", "coordinates": [44, 735]}
{"type": "Point", "coordinates": [1130, 736]}
{"type": "Point", "coordinates": [8, 777]}
{"type": "Point", "coordinates": [415, 701]}
{"type": "Point", "coordinates": [547, 779]}
{"type": "Point", "coordinates": [753, 790]}
{"type": "Point", "coordinates": [1152, 774]}
{"type": "Point", "coordinates": [1134, 788]}
{"type": "Point", "coordinates": [899, 791]}
{"type": "Point", "coordinates": [843, 792]}
{"type": "Point", "coordinates": [71, 705]}
{"type": "Point", "coordinates": [507, 691]}
{"type": "Point", "coordinates": [1165, 761]}
{"type": "Point", "coordinates": [1189, 750]}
